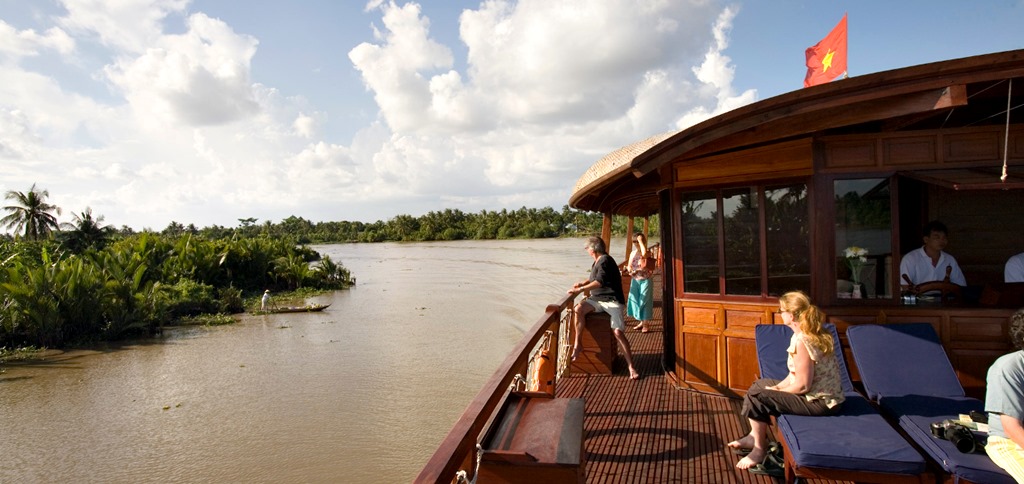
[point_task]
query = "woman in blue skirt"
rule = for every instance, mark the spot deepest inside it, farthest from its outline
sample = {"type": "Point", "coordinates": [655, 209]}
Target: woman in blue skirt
{"type": "Point", "coordinates": [640, 305]}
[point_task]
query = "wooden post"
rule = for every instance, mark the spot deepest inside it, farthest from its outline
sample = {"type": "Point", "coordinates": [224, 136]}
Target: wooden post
{"type": "Point", "coordinates": [629, 238]}
{"type": "Point", "coordinates": [606, 232]}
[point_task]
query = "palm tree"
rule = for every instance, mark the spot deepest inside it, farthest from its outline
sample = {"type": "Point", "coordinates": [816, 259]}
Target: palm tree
{"type": "Point", "coordinates": [86, 231]}
{"type": "Point", "coordinates": [31, 213]}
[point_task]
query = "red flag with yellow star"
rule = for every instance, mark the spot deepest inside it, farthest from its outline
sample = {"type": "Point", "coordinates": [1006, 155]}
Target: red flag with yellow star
{"type": "Point", "coordinates": [826, 60]}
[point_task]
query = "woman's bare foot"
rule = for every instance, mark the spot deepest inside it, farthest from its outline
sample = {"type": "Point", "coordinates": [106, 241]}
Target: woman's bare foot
{"type": "Point", "coordinates": [746, 442]}
{"type": "Point", "coordinates": [576, 350]}
{"type": "Point", "coordinates": [638, 326]}
{"type": "Point", "coordinates": [633, 374]}
{"type": "Point", "coordinates": [756, 456]}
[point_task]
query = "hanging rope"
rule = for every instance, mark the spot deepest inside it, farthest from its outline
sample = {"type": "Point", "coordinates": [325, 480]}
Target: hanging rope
{"type": "Point", "coordinates": [1006, 137]}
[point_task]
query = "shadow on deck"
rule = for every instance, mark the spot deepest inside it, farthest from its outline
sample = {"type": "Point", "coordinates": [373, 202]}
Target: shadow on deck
{"type": "Point", "coordinates": [649, 430]}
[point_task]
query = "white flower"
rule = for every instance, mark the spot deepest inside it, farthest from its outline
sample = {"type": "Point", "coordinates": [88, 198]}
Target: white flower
{"type": "Point", "coordinates": [855, 258]}
{"type": "Point", "coordinates": [858, 252]}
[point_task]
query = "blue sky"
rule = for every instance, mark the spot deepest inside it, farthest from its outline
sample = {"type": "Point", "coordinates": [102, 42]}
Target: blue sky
{"type": "Point", "coordinates": [209, 111]}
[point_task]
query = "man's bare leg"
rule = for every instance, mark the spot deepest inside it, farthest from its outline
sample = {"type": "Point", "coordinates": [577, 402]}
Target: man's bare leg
{"type": "Point", "coordinates": [627, 353]}
{"type": "Point", "coordinates": [582, 309]}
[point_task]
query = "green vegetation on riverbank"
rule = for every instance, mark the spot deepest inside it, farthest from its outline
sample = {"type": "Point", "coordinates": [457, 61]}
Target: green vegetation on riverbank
{"type": "Point", "coordinates": [51, 296]}
{"type": "Point", "coordinates": [85, 281]}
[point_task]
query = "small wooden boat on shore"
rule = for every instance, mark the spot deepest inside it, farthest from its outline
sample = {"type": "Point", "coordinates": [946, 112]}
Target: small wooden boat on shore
{"type": "Point", "coordinates": [311, 308]}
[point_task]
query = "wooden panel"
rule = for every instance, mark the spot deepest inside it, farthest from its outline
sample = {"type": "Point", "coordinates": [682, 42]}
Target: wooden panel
{"type": "Point", "coordinates": [851, 154]}
{"type": "Point", "coordinates": [1016, 147]}
{"type": "Point", "coordinates": [535, 439]}
{"type": "Point", "coordinates": [957, 147]}
{"type": "Point", "coordinates": [971, 367]}
{"type": "Point", "coordinates": [784, 159]}
{"type": "Point", "coordinates": [741, 370]}
{"type": "Point", "coordinates": [973, 146]}
{"type": "Point", "coordinates": [599, 346]}
{"type": "Point", "coordinates": [699, 317]}
{"type": "Point", "coordinates": [743, 319]}
{"type": "Point", "coordinates": [935, 320]}
{"type": "Point", "coordinates": [915, 150]}
{"type": "Point", "coordinates": [843, 321]}
{"type": "Point", "coordinates": [980, 329]}
{"type": "Point", "coordinates": [701, 367]}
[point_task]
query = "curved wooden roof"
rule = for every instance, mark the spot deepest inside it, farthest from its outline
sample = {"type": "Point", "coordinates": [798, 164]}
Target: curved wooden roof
{"type": "Point", "coordinates": [971, 91]}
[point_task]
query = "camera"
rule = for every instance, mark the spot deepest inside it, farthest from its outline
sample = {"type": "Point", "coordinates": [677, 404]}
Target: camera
{"type": "Point", "coordinates": [957, 433]}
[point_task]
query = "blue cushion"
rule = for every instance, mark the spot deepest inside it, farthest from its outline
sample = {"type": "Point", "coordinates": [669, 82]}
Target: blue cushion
{"type": "Point", "coordinates": [976, 467]}
{"type": "Point", "coordinates": [936, 408]}
{"type": "Point", "coordinates": [902, 359]}
{"type": "Point", "coordinates": [905, 368]}
{"type": "Point", "coordinates": [858, 439]}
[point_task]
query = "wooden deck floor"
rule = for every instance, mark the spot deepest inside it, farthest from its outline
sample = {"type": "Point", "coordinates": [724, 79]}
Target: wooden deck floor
{"type": "Point", "coordinates": [649, 430]}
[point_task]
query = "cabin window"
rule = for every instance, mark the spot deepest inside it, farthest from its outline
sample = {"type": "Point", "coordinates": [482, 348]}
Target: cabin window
{"type": "Point", "coordinates": [863, 210]}
{"type": "Point", "coordinates": [787, 237]}
{"type": "Point", "coordinates": [744, 237]}
{"type": "Point", "coordinates": [700, 237]}
{"type": "Point", "coordinates": [742, 241]}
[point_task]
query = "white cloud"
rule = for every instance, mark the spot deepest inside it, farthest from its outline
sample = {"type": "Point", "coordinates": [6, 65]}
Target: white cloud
{"type": "Point", "coordinates": [547, 85]}
{"type": "Point", "coordinates": [126, 25]}
{"type": "Point", "coordinates": [392, 70]}
{"type": "Point", "coordinates": [197, 78]}
{"type": "Point", "coordinates": [716, 73]}
{"type": "Point", "coordinates": [185, 133]}
{"type": "Point", "coordinates": [21, 43]}
{"type": "Point", "coordinates": [305, 126]}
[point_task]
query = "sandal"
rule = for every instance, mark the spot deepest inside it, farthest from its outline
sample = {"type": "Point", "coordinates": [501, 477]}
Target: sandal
{"type": "Point", "coordinates": [775, 455]}
{"type": "Point", "coordinates": [767, 469]}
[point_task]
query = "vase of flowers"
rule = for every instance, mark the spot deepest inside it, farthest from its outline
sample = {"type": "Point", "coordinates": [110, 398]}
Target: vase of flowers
{"type": "Point", "coordinates": [855, 259]}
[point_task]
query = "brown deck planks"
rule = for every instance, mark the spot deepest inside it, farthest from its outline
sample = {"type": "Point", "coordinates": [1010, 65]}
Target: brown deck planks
{"type": "Point", "coordinates": [650, 431]}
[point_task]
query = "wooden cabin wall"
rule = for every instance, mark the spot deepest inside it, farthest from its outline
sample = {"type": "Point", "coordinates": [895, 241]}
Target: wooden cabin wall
{"type": "Point", "coordinates": [714, 334]}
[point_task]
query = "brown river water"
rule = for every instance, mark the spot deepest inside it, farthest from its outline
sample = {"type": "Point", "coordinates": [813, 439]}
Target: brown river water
{"type": "Point", "coordinates": [361, 392]}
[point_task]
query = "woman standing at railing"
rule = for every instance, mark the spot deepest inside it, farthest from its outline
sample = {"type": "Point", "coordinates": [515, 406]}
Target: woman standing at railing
{"type": "Point", "coordinates": [640, 305]}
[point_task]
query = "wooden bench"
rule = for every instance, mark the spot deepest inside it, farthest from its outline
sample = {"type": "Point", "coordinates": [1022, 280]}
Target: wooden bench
{"type": "Point", "coordinates": [599, 346]}
{"type": "Point", "coordinates": [534, 438]}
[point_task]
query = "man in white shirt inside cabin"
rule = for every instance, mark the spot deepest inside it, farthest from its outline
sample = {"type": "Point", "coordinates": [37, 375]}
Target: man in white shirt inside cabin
{"type": "Point", "coordinates": [929, 262]}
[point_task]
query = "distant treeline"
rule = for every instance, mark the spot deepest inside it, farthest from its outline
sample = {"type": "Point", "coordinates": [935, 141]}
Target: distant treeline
{"type": "Point", "coordinates": [449, 224]}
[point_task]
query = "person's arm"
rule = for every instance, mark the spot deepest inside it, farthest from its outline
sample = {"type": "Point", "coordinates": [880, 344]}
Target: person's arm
{"type": "Point", "coordinates": [956, 276]}
{"type": "Point", "coordinates": [1013, 428]}
{"type": "Point", "coordinates": [586, 285]}
{"type": "Point", "coordinates": [799, 380]}
{"type": "Point", "coordinates": [905, 270]}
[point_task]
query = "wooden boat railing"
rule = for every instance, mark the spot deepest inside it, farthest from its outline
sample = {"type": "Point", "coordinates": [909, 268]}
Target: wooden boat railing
{"type": "Point", "coordinates": [457, 454]}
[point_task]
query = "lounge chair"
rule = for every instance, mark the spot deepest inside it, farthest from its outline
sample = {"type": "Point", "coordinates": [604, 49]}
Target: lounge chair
{"type": "Point", "coordinates": [905, 369]}
{"type": "Point", "coordinates": [857, 444]}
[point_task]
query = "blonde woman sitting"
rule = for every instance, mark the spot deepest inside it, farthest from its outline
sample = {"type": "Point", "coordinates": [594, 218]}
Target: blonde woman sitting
{"type": "Point", "coordinates": [813, 386]}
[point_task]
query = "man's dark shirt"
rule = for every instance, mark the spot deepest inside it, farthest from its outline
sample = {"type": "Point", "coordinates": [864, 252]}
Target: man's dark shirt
{"type": "Point", "coordinates": [606, 271]}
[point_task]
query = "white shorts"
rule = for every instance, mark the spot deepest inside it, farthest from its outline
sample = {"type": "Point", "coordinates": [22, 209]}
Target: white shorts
{"type": "Point", "coordinates": [614, 310]}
